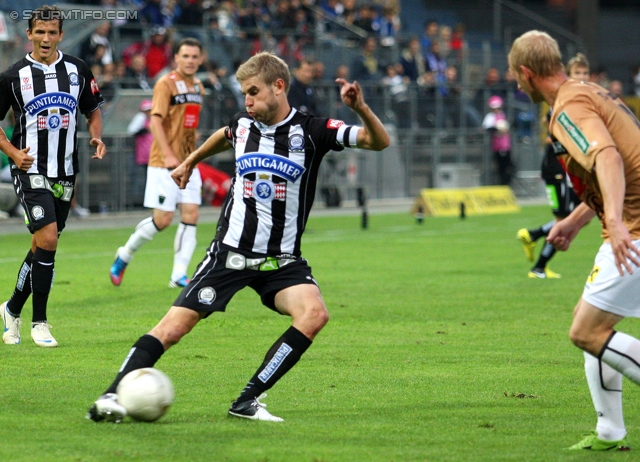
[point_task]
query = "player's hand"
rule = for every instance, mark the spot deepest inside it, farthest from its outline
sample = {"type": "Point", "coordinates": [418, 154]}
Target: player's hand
{"type": "Point", "coordinates": [562, 234]}
{"type": "Point", "coordinates": [101, 148]}
{"type": "Point", "coordinates": [171, 161]}
{"type": "Point", "coordinates": [625, 253]}
{"type": "Point", "coordinates": [181, 174]}
{"type": "Point", "coordinates": [351, 94]}
{"type": "Point", "coordinates": [23, 160]}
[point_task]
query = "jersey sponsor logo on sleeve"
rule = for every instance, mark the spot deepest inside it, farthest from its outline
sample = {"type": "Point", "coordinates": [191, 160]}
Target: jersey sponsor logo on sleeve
{"type": "Point", "coordinates": [334, 124]}
{"type": "Point", "coordinates": [94, 87]}
{"type": "Point", "coordinates": [574, 132]}
{"type": "Point", "coordinates": [271, 163]}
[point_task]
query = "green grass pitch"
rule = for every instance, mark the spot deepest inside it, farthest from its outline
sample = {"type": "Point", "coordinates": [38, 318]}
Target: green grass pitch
{"type": "Point", "coordinates": [439, 348]}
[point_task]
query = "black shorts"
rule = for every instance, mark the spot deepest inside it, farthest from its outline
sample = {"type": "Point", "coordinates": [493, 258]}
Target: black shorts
{"type": "Point", "coordinates": [562, 198]}
{"type": "Point", "coordinates": [224, 271]}
{"type": "Point", "coordinates": [45, 200]}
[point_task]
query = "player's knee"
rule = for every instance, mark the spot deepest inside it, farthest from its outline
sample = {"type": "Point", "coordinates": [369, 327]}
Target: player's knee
{"type": "Point", "coordinates": [317, 316]}
{"type": "Point", "coordinates": [580, 338]}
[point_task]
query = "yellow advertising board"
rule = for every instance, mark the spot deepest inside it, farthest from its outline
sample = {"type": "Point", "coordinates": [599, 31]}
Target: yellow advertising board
{"type": "Point", "coordinates": [484, 200]}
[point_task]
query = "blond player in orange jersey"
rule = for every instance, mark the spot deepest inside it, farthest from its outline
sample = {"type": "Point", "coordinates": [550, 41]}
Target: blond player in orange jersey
{"type": "Point", "coordinates": [601, 136]}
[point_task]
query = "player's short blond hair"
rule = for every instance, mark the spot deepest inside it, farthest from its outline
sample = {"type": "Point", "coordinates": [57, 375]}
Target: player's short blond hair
{"type": "Point", "coordinates": [538, 51]}
{"type": "Point", "coordinates": [579, 60]}
{"type": "Point", "coordinates": [266, 66]}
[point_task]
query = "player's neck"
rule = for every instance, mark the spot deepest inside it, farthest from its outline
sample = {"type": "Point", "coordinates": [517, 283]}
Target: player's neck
{"type": "Point", "coordinates": [46, 61]}
{"type": "Point", "coordinates": [185, 76]}
{"type": "Point", "coordinates": [550, 86]}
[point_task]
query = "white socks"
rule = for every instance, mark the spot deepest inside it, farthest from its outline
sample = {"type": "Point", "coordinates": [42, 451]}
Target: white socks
{"type": "Point", "coordinates": [605, 385]}
{"type": "Point", "coordinates": [622, 352]}
{"type": "Point", "coordinates": [145, 231]}
{"type": "Point", "coordinates": [183, 246]}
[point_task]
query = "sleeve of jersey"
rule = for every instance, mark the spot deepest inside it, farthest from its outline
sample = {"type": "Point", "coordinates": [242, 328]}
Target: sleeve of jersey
{"type": "Point", "coordinates": [582, 132]}
{"type": "Point", "coordinates": [161, 99]}
{"type": "Point", "coordinates": [90, 98]}
{"type": "Point", "coordinates": [333, 134]}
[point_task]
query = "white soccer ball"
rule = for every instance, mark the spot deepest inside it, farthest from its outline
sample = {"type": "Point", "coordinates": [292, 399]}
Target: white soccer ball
{"type": "Point", "coordinates": [146, 394]}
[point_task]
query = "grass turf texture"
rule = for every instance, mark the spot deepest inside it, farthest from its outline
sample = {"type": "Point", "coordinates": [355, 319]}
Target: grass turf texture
{"type": "Point", "coordinates": [439, 348]}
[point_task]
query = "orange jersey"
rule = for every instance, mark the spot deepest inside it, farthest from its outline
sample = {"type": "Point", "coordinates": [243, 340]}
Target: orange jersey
{"type": "Point", "coordinates": [177, 101]}
{"type": "Point", "coordinates": [587, 119]}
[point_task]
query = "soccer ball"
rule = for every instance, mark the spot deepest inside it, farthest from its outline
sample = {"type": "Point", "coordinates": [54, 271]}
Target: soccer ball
{"type": "Point", "coordinates": [146, 394]}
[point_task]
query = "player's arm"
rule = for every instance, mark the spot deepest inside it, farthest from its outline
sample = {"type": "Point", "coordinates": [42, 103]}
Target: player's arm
{"type": "Point", "coordinates": [565, 230]}
{"type": "Point", "coordinates": [160, 136]}
{"type": "Point", "coordinates": [610, 172]}
{"type": "Point", "coordinates": [19, 156]}
{"type": "Point", "coordinates": [215, 144]}
{"type": "Point", "coordinates": [94, 125]}
{"type": "Point", "coordinates": [373, 136]}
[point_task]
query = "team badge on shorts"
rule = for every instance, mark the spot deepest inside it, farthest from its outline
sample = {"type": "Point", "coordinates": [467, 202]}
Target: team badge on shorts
{"type": "Point", "coordinates": [593, 274]}
{"type": "Point", "coordinates": [37, 212]}
{"type": "Point", "coordinates": [207, 295]}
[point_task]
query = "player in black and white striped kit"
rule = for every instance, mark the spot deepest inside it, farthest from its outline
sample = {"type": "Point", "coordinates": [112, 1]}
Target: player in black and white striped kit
{"type": "Point", "coordinates": [47, 91]}
{"type": "Point", "coordinates": [278, 152]}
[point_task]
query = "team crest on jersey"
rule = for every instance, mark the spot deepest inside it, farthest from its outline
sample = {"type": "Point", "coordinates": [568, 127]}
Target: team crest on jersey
{"type": "Point", "coordinates": [181, 86]}
{"type": "Point", "coordinates": [73, 79]}
{"type": "Point", "coordinates": [264, 190]}
{"type": "Point", "coordinates": [53, 122]}
{"type": "Point", "coordinates": [37, 213]}
{"type": "Point", "coordinates": [207, 295]}
{"type": "Point", "coordinates": [296, 142]}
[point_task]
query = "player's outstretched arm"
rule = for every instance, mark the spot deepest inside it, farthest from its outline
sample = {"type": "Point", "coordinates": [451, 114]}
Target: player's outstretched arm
{"type": "Point", "coordinates": [215, 144]}
{"type": "Point", "coordinates": [373, 136]}
{"type": "Point", "coordinates": [94, 125]}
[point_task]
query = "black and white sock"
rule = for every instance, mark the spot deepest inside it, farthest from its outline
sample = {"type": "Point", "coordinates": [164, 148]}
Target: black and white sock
{"type": "Point", "coordinates": [42, 273]}
{"type": "Point", "coordinates": [145, 353]}
{"type": "Point", "coordinates": [622, 352]}
{"type": "Point", "coordinates": [23, 287]}
{"type": "Point", "coordinates": [280, 358]}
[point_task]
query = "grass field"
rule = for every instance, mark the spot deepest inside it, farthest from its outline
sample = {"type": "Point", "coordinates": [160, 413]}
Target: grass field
{"type": "Point", "coordinates": [439, 348]}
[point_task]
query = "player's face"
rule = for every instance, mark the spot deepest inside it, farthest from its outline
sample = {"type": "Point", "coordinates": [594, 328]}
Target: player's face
{"type": "Point", "coordinates": [525, 84]}
{"type": "Point", "coordinates": [188, 60]}
{"type": "Point", "coordinates": [260, 100]}
{"type": "Point", "coordinates": [579, 73]}
{"type": "Point", "coordinates": [45, 37]}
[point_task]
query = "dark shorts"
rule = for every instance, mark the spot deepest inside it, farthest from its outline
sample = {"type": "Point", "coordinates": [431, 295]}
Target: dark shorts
{"type": "Point", "coordinates": [224, 271]}
{"type": "Point", "coordinates": [45, 200]}
{"type": "Point", "coordinates": [562, 198]}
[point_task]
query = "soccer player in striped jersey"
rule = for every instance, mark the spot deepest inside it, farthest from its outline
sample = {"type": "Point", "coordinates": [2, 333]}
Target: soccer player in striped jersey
{"type": "Point", "coordinates": [47, 91]}
{"type": "Point", "coordinates": [278, 151]}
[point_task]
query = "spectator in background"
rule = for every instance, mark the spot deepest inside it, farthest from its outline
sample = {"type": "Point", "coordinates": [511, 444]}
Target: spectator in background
{"type": "Point", "coordinates": [100, 36]}
{"type": "Point", "coordinates": [496, 122]}
{"type": "Point", "coordinates": [387, 26]}
{"type": "Point", "coordinates": [365, 17]}
{"type": "Point", "coordinates": [444, 39]}
{"type": "Point", "coordinates": [430, 34]}
{"type": "Point", "coordinates": [616, 88]}
{"type": "Point", "coordinates": [437, 65]}
{"type": "Point", "coordinates": [457, 40]}
{"type": "Point", "coordinates": [636, 81]}
{"type": "Point", "coordinates": [156, 51]}
{"type": "Point", "coordinates": [135, 75]}
{"type": "Point", "coordinates": [153, 13]}
{"type": "Point", "coordinates": [600, 77]}
{"type": "Point", "coordinates": [365, 67]}
{"type": "Point", "coordinates": [190, 13]}
{"type": "Point", "coordinates": [396, 85]}
{"type": "Point", "coordinates": [301, 95]}
{"type": "Point", "coordinates": [412, 61]}
{"type": "Point", "coordinates": [139, 128]}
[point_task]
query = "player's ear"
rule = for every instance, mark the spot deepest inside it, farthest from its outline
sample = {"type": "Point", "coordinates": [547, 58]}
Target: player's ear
{"type": "Point", "coordinates": [279, 86]}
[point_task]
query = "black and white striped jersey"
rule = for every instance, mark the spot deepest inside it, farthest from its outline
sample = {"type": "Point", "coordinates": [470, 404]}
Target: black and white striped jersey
{"type": "Point", "coordinates": [273, 190]}
{"type": "Point", "coordinates": [47, 102]}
